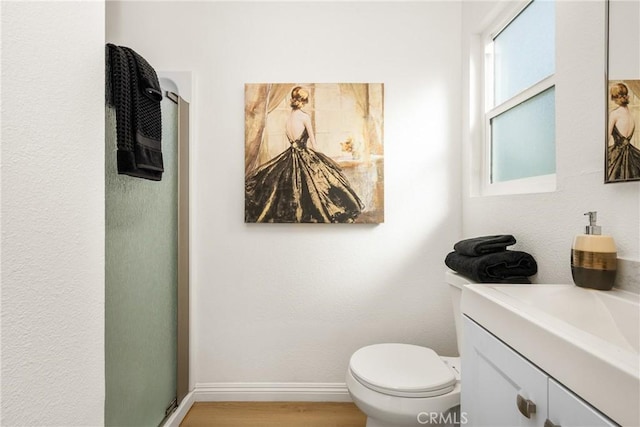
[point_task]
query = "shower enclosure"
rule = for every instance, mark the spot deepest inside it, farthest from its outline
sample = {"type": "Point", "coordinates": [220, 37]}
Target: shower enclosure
{"type": "Point", "coordinates": [147, 277]}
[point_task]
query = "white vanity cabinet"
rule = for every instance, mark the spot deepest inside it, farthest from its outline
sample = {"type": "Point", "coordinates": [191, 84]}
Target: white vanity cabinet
{"type": "Point", "coordinates": [501, 388]}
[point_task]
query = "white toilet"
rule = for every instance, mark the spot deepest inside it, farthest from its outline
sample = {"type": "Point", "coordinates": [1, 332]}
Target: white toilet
{"type": "Point", "coordinates": [407, 385]}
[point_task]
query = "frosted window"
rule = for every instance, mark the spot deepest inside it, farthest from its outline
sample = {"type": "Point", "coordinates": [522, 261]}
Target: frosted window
{"type": "Point", "coordinates": [524, 139]}
{"type": "Point", "coordinates": [524, 52]}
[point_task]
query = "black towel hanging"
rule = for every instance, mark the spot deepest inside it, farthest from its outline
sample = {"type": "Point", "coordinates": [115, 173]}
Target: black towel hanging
{"type": "Point", "coordinates": [134, 90]}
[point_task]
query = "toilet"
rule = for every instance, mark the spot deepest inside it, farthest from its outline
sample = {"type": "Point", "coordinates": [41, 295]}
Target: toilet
{"type": "Point", "coordinates": [398, 385]}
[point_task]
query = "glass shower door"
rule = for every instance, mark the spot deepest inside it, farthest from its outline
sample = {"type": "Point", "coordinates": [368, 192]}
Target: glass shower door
{"type": "Point", "coordinates": [141, 284]}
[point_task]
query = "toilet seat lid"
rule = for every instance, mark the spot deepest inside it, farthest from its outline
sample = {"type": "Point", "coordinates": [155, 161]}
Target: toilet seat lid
{"type": "Point", "coordinates": [402, 370]}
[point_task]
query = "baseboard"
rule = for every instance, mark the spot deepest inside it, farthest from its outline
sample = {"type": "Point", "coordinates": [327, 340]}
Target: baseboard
{"type": "Point", "coordinates": [271, 392]}
{"type": "Point", "coordinates": [178, 415]}
{"type": "Point", "coordinates": [258, 392]}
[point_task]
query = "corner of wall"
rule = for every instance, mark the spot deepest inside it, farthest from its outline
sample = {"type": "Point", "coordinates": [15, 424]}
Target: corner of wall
{"type": "Point", "coordinates": [52, 213]}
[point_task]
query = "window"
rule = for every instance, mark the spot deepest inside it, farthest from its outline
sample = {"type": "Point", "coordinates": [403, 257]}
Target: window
{"type": "Point", "coordinates": [520, 103]}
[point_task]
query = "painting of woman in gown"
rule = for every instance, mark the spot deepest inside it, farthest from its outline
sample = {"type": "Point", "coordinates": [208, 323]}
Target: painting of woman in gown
{"type": "Point", "coordinates": [623, 149]}
{"type": "Point", "coordinates": [301, 184]}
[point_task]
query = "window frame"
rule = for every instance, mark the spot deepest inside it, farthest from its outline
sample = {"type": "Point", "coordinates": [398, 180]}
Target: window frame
{"type": "Point", "coordinates": [534, 184]}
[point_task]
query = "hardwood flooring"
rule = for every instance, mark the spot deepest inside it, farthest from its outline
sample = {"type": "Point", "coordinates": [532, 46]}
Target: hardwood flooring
{"type": "Point", "coordinates": [274, 414]}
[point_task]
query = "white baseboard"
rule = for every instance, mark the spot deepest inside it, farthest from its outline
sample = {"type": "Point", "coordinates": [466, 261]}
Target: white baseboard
{"type": "Point", "coordinates": [271, 392]}
{"type": "Point", "coordinates": [259, 392]}
{"type": "Point", "coordinates": [178, 415]}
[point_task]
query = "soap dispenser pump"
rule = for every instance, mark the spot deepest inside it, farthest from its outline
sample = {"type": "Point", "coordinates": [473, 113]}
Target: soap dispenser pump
{"type": "Point", "coordinates": [594, 258]}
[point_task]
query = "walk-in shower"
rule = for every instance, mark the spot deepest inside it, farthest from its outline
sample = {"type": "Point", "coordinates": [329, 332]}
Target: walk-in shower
{"type": "Point", "coordinates": [147, 276]}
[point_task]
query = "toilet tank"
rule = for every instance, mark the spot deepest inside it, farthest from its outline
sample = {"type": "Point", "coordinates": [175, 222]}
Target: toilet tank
{"type": "Point", "coordinates": [456, 282]}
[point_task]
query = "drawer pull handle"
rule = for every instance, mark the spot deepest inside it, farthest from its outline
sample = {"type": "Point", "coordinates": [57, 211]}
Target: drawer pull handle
{"type": "Point", "coordinates": [549, 423]}
{"type": "Point", "coordinates": [525, 406]}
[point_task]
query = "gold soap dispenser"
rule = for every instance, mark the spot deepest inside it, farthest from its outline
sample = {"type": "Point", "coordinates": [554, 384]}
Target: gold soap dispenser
{"type": "Point", "coordinates": [594, 258]}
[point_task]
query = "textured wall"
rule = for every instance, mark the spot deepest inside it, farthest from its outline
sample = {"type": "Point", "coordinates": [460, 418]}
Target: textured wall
{"type": "Point", "coordinates": [290, 303]}
{"type": "Point", "coordinates": [52, 214]}
{"type": "Point", "coordinates": [546, 223]}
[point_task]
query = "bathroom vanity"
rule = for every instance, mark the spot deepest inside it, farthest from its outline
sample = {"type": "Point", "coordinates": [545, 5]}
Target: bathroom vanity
{"type": "Point", "coordinates": [550, 355]}
{"type": "Point", "coordinates": [502, 388]}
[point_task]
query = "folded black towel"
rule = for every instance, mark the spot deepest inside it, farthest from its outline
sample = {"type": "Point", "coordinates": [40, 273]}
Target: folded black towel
{"type": "Point", "coordinates": [484, 245]}
{"type": "Point", "coordinates": [497, 267]}
{"type": "Point", "coordinates": [134, 90]}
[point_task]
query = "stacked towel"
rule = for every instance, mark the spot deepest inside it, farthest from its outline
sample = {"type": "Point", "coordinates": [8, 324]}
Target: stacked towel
{"type": "Point", "coordinates": [478, 246]}
{"type": "Point", "coordinates": [134, 90]}
{"type": "Point", "coordinates": [487, 260]}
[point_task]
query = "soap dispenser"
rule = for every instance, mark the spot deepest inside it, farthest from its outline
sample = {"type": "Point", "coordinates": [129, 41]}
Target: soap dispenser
{"type": "Point", "coordinates": [593, 258]}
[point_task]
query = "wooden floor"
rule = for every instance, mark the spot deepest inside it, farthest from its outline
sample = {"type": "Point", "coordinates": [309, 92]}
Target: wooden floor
{"type": "Point", "coordinates": [274, 414]}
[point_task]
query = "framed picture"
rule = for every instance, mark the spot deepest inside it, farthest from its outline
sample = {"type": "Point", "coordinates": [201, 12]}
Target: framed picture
{"type": "Point", "coordinates": [622, 146]}
{"type": "Point", "coordinates": [314, 153]}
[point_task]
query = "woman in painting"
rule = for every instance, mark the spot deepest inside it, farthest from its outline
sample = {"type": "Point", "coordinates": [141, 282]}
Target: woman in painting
{"type": "Point", "coordinates": [624, 157]}
{"type": "Point", "coordinates": [300, 184]}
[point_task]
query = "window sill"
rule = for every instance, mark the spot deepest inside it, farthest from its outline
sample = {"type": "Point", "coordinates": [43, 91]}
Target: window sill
{"type": "Point", "coordinates": [537, 184]}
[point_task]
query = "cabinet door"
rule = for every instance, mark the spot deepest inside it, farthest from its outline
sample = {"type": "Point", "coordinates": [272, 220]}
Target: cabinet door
{"type": "Point", "coordinates": [568, 410]}
{"type": "Point", "coordinates": [497, 383]}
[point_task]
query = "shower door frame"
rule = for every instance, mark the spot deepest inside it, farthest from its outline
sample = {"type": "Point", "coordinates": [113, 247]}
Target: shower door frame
{"type": "Point", "coordinates": [182, 315]}
{"type": "Point", "coordinates": [182, 384]}
{"type": "Point", "coordinates": [183, 84]}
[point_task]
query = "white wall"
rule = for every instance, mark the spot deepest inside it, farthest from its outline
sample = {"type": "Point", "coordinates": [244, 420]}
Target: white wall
{"type": "Point", "coordinates": [52, 214]}
{"type": "Point", "coordinates": [545, 224]}
{"type": "Point", "coordinates": [290, 303]}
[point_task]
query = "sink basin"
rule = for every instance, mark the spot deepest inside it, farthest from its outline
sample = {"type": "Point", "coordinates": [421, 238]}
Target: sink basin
{"type": "Point", "coordinates": [588, 340]}
{"type": "Point", "coordinates": [612, 316]}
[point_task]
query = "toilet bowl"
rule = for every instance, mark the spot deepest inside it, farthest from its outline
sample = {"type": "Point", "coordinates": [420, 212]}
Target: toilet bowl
{"type": "Point", "coordinates": [398, 385]}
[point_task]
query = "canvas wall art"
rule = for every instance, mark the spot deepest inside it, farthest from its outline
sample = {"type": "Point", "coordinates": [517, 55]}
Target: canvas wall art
{"type": "Point", "coordinates": [623, 145]}
{"type": "Point", "coordinates": [314, 153]}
